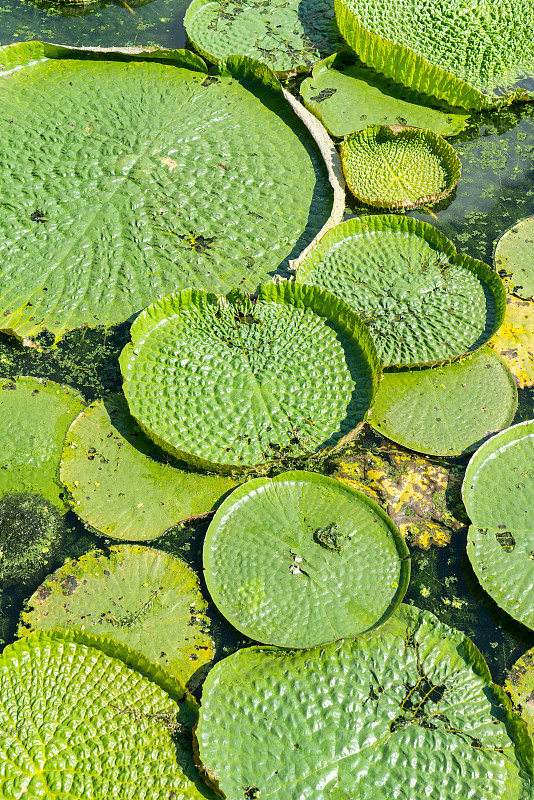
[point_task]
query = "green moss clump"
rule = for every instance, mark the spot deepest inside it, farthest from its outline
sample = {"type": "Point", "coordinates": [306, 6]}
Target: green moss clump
{"type": "Point", "coordinates": [30, 532]}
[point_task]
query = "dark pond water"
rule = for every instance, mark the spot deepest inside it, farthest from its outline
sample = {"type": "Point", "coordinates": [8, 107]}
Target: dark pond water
{"type": "Point", "coordinates": [496, 190]}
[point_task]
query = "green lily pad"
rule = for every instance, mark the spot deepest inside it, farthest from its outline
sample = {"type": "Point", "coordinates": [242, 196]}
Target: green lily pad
{"type": "Point", "coordinates": [347, 96]}
{"type": "Point", "coordinates": [514, 258]}
{"type": "Point", "coordinates": [232, 383]}
{"type": "Point", "coordinates": [35, 417]}
{"type": "Point", "coordinates": [130, 178]}
{"type": "Point", "coordinates": [141, 597]}
{"type": "Point", "coordinates": [393, 166]}
{"type": "Point", "coordinates": [118, 488]}
{"type": "Point", "coordinates": [300, 560]}
{"type": "Point", "coordinates": [498, 493]}
{"type": "Point", "coordinates": [423, 302]}
{"type": "Point", "coordinates": [411, 705]}
{"type": "Point", "coordinates": [472, 55]}
{"type": "Point", "coordinates": [448, 410]}
{"type": "Point", "coordinates": [284, 35]}
{"type": "Point", "coordinates": [76, 723]}
{"type": "Point", "coordinates": [520, 686]}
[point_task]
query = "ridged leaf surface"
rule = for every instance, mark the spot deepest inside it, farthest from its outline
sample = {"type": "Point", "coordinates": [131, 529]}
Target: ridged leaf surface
{"type": "Point", "coordinates": [422, 302]}
{"type": "Point", "coordinates": [283, 34]}
{"type": "Point", "coordinates": [469, 54]}
{"type": "Point", "coordinates": [117, 486]}
{"type": "Point", "coordinates": [229, 383]}
{"type": "Point", "coordinates": [514, 258]}
{"type": "Point", "coordinates": [141, 597]}
{"type": "Point", "coordinates": [130, 179]}
{"type": "Point", "coordinates": [498, 493]}
{"type": "Point", "coordinates": [399, 167]}
{"type": "Point", "coordinates": [35, 417]}
{"type": "Point", "coordinates": [411, 705]}
{"type": "Point", "coordinates": [76, 723]}
{"type": "Point", "coordinates": [300, 560]}
{"type": "Point", "coordinates": [520, 686]}
{"type": "Point", "coordinates": [447, 410]}
{"type": "Point", "coordinates": [347, 97]}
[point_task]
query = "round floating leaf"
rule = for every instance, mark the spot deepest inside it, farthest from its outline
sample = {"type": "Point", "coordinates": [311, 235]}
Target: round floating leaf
{"type": "Point", "coordinates": [141, 597]}
{"type": "Point", "coordinates": [78, 724]}
{"type": "Point", "coordinates": [410, 705]}
{"type": "Point", "coordinates": [300, 560]}
{"type": "Point", "coordinates": [35, 417]}
{"type": "Point", "coordinates": [514, 340]}
{"type": "Point", "coordinates": [514, 258]}
{"type": "Point", "coordinates": [392, 166]}
{"type": "Point", "coordinates": [346, 97]}
{"type": "Point", "coordinates": [498, 493]}
{"type": "Point", "coordinates": [129, 179]}
{"type": "Point", "coordinates": [447, 410]}
{"type": "Point", "coordinates": [520, 686]}
{"type": "Point", "coordinates": [469, 54]}
{"type": "Point", "coordinates": [283, 35]}
{"type": "Point", "coordinates": [118, 489]}
{"type": "Point", "coordinates": [231, 383]}
{"type": "Point", "coordinates": [422, 302]}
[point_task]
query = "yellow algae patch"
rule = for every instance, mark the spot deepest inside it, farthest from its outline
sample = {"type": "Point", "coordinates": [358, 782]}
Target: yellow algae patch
{"type": "Point", "coordinates": [422, 498]}
{"type": "Point", "coordinates": [514, 340]}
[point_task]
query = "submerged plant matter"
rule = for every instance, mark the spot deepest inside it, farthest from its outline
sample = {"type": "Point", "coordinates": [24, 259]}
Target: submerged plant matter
{"type": "Point", "coordinates": [231, 383]}
{"type": "Point", "coordinates": [300, 560]}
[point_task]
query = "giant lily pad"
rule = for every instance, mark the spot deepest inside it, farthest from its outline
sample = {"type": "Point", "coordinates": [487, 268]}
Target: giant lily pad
{"type": "Point", "coordinates": [498, 493]}
{"type": "Point", "coordinates": [514, 258]}
{"type": "Point", "coordinates": [231, 383]}
{"type": "Point", "coordinates": [35, 417]}
{"type": "Point", "coordinates": [393, 166]}
{"type": "Point", "coordinates": [471, 55]}
{"type": "Point", "coordinates": [301, 560]}
{"type": "Point", "coordinates": [347, 97]}
{"type": "Point", "coordinates": [141, 597]}
{"type": "Point", "coordinates": [76, 723]}
{"type": "Point", "coordinates": [116, 485]}
{"type": "Point", "coordinates": [411, 705]}
{"type": "Point", "coordinates": [447, 410]}
{"type": "Point", "coordinates": [283, 34]}
{"type": "Point", "coordinates": [423, 302]}
{"type": "Point", "coordinates": [128, 178]}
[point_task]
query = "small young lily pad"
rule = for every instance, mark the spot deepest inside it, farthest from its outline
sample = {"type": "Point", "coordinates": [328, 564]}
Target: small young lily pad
{"type": "Point", "coordinates": [116, 485]}
{"type": "Point", "coordinates": [232, 382]}
{"type": "Point", "coordinates": [448, 410]}
{"type": "Point", "coordinates": [79, 724]}
{"type": "Point", "coordinates": [394, 166]}
{"type": "Point", "coordinates": [137, 596]}
{"type": "Point", "coordinates": [35, 416]}
{"type": "Point", "coordinates": [423, 302]}
{"type": "Point", "coordinates": [300, 560]}
{"type": "Point", "coordinates": [347, 97]}
{"type": "Point", "coordinates": [514, 258]}
{"type": "Point", "coordinates": [284, 34]}
{"type": "Point", "coordinates": [498, 492]}
{"type": "Point", "coordinates": [520, 686]}
{"type": "Point", "coordinates": [408, 711]}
